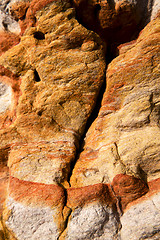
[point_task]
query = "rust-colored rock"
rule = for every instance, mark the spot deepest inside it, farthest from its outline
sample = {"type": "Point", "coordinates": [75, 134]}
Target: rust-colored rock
{"type": "Point", "coordinates": [128, 188]}
{"type": "Point", "coordinates": [49, 87]}
{"type": "Point", "coordinates": [78, 197]}
{"type": "Point", "coordinates": [63, 63]}
{"type": "Point", "coordinates": [7, 41]}
{"type": "Point", "coordinates": [41, 204]}
{"type": "Point", "coordinates": [30, 193]}
{"type": "Point", "coordinates": [141, 217]}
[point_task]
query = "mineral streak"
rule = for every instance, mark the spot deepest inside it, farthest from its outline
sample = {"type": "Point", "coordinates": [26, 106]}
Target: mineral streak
{"type": "Point", "coordinates": [55, 184]}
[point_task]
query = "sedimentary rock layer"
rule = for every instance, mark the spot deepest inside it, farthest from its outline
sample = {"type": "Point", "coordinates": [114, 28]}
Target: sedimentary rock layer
{"type": "Point", "coordinates": [125, 136]}
{"type": "Point", "coordinates": [55, 184]}
{"type": "Point", "coordinates": [60, 67]}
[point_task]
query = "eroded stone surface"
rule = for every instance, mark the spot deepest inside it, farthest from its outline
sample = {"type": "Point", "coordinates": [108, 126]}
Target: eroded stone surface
{"type": "Point", "coordinates": [63, 63]}
{"type": "Point", "coordinates": [7, 22]}
{"type": "Point", "coordinates": [34, 210]}
{"type": "Point", "coordinates": [125, 136]}
{"type": "Point", "coordinates": [55, 74]}
{"type": "Point", "coordinates": [94, 221]}
{"type": "Point", "coordinates": [155, 9]}
{"type": "Point", "coordinates": [32, 223]}
{"type": "Point", "coordinates": [147, 207]}
{"type": "Point", "coordinates": [116, 21]}
{"type": "Point", "coordinates": [93, 213]}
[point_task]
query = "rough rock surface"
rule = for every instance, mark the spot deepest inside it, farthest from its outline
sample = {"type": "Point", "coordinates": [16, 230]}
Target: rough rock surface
{"type": "Point", "coordinates": [7, 22]}
{"type": "Point", "coordinates": [54, 184]}
{"type": "Point", "coordinates": [129, 117]}
{"type": "Point", "coordinates": [51, 59]}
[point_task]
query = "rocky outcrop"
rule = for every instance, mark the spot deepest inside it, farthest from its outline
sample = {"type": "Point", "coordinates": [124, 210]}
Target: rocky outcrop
{"type": "Point", "coordinates": [54, 183]}
{"type": "Point", "coordinates": [52, 60]}
{"type": "Point", "coordinates": [121, 146]}
{"type": "Point", "coordinates": [128, 117]}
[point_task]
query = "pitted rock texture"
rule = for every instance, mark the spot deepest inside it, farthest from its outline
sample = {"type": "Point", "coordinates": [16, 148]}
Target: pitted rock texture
{"type": "Point", "coordinates": [55, 184]}
{"type": "Point", "coordinates": [63, 63]}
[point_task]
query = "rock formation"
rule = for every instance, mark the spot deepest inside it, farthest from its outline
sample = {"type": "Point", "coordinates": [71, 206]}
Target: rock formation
{"type": "Point", "coordinates": [70, 168]}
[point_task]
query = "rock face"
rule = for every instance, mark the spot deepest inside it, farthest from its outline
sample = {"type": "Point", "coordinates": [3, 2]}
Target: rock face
{"type": "Point", "coordinates": [129, 117]}
{"type": "Point", "coordinates": [56, 184]}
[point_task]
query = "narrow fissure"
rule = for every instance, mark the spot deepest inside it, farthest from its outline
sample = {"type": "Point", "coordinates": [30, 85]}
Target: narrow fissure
{"type": "Point", "coordinates": [111, 53]}
{"type": "Point", "coordinates": [94, 114]}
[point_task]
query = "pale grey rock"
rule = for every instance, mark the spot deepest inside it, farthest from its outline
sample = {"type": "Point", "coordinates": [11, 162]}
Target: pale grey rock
{"type": "Point", "coordinates": [142, 220]}
{"type": "Point", "coordinates": [7, 22]}
{"type": "Point", "coordinates": [155, 9]}
{"type": "Point", "coordinates": [32, 223]}
{"type": "Point", "coordinates": [5, 97]}
{"type": "Point", "coordinates": [94, 221]}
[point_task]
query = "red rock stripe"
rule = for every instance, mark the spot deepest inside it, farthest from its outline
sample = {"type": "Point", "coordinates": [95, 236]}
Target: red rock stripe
{"type": "Point", "coordinates": [36, 193]}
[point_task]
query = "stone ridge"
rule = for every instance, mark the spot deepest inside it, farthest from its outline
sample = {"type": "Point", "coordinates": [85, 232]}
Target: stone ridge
{"type": "Point", "coordinates": [53, 185]}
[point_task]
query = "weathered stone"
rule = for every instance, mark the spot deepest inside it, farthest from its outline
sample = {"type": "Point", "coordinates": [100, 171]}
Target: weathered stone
{"type": "Point", "coordinates": [7, 22]}
{"type": "Point", "coordinates": [125, 136]}
{"type": "Point", "coordinates": [34, 210]}
{"type": "Point", "coordinates": [93, 215]}
{"type": "Point", "coordinates": [127, 189]}
{"type": "Point", "coordinates": [63, 63]}
{"type": "Point", "coordinates": [155, 9]}
{"type": "Point", "coordinates": [141, 219]}
{"type": "Point", "coordinates": [5, 97]}
{"type": "Point", "coordinates": [7, 40]}
{"type": "Point", "coordinates": [55, 74]}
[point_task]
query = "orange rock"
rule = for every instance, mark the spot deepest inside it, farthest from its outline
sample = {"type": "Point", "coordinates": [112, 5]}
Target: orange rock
{"type": "Point", "coordinates": [7, 41]}
{"type": "Point", "coordinates": [128, 188]}
{"type": "Point", "coordinates": [36, 194]}
{"type": "Point", "coordinates": [78, 197]}
{"type": "Point", "coordinates": [124, 139]}
{"type": "Point", "coordinates": [153, 189]}
{"type": "Point", "coordinates": [26, 12]}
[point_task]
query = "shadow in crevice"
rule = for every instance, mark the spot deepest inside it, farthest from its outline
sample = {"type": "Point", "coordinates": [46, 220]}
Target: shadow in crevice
{"type": "Point", "coordinates": [36, 76]}
{"type": "Point", "coordinates": [115, 24]}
